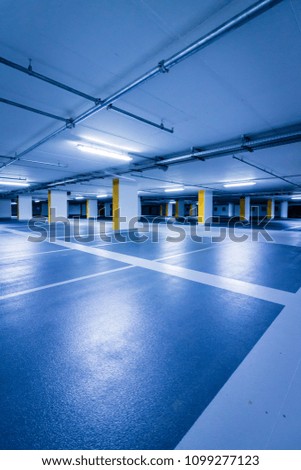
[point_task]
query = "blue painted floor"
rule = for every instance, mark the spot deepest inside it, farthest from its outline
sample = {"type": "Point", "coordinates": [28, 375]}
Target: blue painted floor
{"type": "Point", "coordinates": [131, 359]}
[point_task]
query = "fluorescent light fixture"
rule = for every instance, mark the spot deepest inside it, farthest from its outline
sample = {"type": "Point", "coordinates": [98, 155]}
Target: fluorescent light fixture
{"type": "Point", "coordinates": [104, 152]}
{"type": "Point", "coordinates": [13, 183]}
{"type": "Point", "coordinates": [13, 203]}
{"type": "Point", "coordinates": [79, 197]}
{"type": "Point", "coordinates": [173, 159]}
{"type": "Point", "coordinates": [172, 202]}
{"type": "Point", "coordinates": [62, 182]}
{"type": "Point", "coordinates": [99, 196]}
{"type": "Point", "coordinates": [106, 144]}
{"type": "Point", "coordinates": [37, 200]}
{"type": "Point", "coordinates": [237, 185]}
{"type": "Point", "coordinates": [296, 198]}
{"type": "Point", "coordinates": [172, 190]}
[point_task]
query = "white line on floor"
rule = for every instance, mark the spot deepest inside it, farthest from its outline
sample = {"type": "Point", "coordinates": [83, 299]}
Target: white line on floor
{"type": "Point", "coordinates": [251, 409]}
{"type": "Point", "coordinates": [62, 283]}
{"type": "Point", "coordinates": [29, 255]}
{"type": "Point", "coordinates": [240, 287]}
{"type": "Point", "coordinates": [190, 252]}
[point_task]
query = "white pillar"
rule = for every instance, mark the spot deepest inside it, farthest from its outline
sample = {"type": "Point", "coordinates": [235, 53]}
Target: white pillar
{"type": "Point", "coordinates": [245, 208]}
{"type": "Point", "coordinates": [284, 209]}
{"type": "Point", "coordinates": [91, 208]}
{"type": "Point", "coordinates": [169, 207]}
{"type": "Point", "coordinates": [125, 204]}
{"type": "Point", "coordinates": [271, 209]}
{"type": "Point", "coordinates": [5, 208]}
{"type": "Point", "coordinates": [24, 207]}
{"type": "Point", "coordinates": [107, 209]}
{"type": "Point", "coordinates": [57, 205]}
{"type": "Point", "coordinates": [205, 206]}
{"type": "Point", "coordinates": [230, 209]}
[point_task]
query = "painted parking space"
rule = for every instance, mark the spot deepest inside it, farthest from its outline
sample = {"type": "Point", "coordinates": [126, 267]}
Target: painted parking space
{"type": "Point", "coordinates": [110, 365]}
{"type": "Point", "coordinates": [250, 262]}
{"type": "Point", "coordinates": [57, 266]}
{"type": "Point", "coordinates": [155, 248]}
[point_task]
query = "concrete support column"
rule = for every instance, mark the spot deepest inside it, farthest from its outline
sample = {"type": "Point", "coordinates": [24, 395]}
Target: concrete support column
{"type": "Point", "coordinates": [271, 209]}
{"type": "Point", "coordinates": [180, 208]}
{"type": "Point", "coordinates": [125, 203]}
{"type": "Point", "coordinates": [161, 209]}
{"type": "Point", "coordinates": [284, 209]}
{"type": "Point", "coordinates": [168, 209]}
{"type": "Point", "coordinates": [5, 208]}
{"type": "Point", "coordinates": [24, 207]}
{"type": "Point", "coordinates": [91, 208]}
{"type": "Point", "coordinates": [230, 209]}
{"type": "Point", "coordinates": [107, 209]}
{"type": "Point", "coordinates": [205, 206]}
{"type": "Point", "coordinates": [57, 205]}
{"type": "Point", "coordinates": [244, 213]}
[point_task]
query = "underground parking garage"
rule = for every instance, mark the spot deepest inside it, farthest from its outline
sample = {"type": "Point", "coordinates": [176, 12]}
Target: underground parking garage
{"type": "Point", "coordinates": [150, 225]}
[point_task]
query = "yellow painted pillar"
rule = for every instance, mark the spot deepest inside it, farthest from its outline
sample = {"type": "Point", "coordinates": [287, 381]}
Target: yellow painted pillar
{"type": "Point", "coordinates": [271, 209]}
{"type": "Point", "coordinates": [87, 209]}
{"type": "Point", "coordinates": [177, 210]}
{"type": "Point", "coordinates": [116, 210]}
{"type": "Point", "coordinates": [201, 206]}
{"type": "Point", "coordinates": [166, 209]}
{"type": "Point", "coordinates": [205, 208]}
{"type": "Point", "coordinates": [161, 209]}
{"type": "Point", "coordinates": [191, 210]}
{"type": "Point", "coordinates": [244, 208]}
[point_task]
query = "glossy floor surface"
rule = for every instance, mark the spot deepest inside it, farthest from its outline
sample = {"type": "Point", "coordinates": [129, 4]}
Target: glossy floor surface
{"type": "Point", "coordinates": [149, 345]}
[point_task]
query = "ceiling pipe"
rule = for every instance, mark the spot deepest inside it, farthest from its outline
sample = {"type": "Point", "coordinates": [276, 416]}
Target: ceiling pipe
{"type": "Point", "coordinates": [33, 110]}
{"type": "Point", "coordinates": [138, 118]}
{"type": "Point", "coordinates": [223, 150]}
{"type": "Point", "coordinates": [29, 71]}
{"type": "Point", "coordinates": [162, 67]}
{"type": "Point", "coordinates": [246, 145]}
{"type": "Point", "coordinates": [267, 171]}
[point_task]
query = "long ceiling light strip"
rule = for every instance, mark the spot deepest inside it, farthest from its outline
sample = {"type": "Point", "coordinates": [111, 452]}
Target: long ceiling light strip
{"type": "Point", "coordinates": [237, 185]}
{"type": "Point", "coordinates": [14, 183]}
{"type": "Point", "coordinates": [172, 190]}
{"type": "Point", "coordinates": [104, 152]}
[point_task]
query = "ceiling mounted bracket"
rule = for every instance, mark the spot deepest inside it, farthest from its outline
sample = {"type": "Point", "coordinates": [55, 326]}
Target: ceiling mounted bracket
{"type": "Point", "coordinates": [162, 67]}
{"type": "Point", "coordinates": [197, 150]}
{"type": "Point", "coordinates": [29, 68]}
{"type": "Point", "coordinates": [245, 140]}
{"type": "Point", "coordinates": [70, 124]}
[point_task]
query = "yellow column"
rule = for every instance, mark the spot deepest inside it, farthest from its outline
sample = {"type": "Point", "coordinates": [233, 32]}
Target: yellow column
{"type": "Point", "coordinates": [201, 206]}
{"type": "Point", "coordinates": [116, 211]}
{"type": "Point", "coordinates": [161, 209]}
{"type": "Point", "coordinates": [166, 209]}
{"type": "Point", "coordinates": [191, 210]}
{"type": "Point", "coordinates": [87, 209]}
{"type": "Point", "coordinates": [242, 208]}
{"type": "Point", "coordinates": [177, 210]}
{"type": "Point", "coordinates": [270, 209]}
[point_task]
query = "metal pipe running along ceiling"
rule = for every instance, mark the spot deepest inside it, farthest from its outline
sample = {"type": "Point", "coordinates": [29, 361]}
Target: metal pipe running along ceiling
{"type": "Point", "coordinates": [163, 66]}
{"type": "Point", "coordinates": [281, 138]}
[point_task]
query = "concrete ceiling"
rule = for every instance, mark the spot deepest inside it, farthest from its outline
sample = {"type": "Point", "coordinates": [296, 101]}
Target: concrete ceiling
{"type": "Point", "coordinates": [246, 83]}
